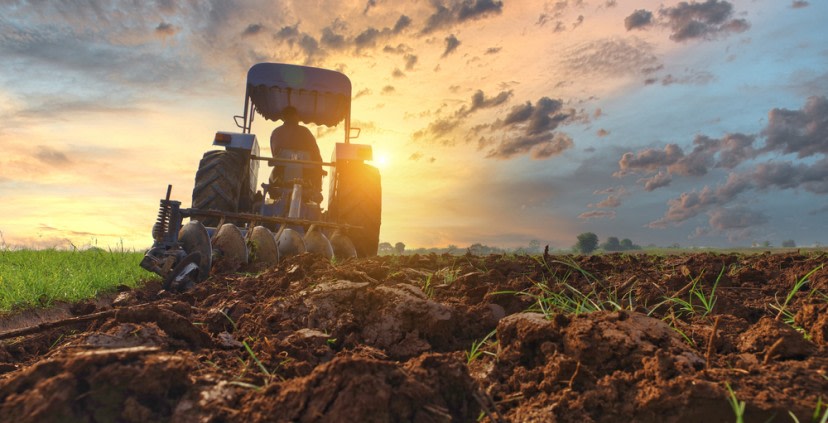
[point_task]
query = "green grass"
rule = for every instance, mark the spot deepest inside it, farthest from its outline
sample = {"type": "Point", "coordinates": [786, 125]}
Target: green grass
{"type": "Point", "coordinates": [477, 350]}
{"type": "Point", "coordinates": [555, 295]}
{"type": "Point", "coordinates": [38, 278]}
{"type": "Point", "coordinates": [698, 302]}
{"type": "Point", "coordinates": [737, 406]}
{"type": "Point", "coordinates": [782, 308]}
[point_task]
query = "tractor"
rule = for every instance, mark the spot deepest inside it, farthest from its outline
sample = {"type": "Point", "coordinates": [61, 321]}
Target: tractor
{"type": "Point", "coordinates": [233, 218]}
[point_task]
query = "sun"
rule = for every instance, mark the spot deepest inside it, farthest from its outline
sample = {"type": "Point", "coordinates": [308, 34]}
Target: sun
{"type": "Point", "coordinates": [381, 161]}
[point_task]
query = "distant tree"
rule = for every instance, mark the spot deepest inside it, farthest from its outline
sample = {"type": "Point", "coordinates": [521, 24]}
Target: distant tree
{"type": "Point", "coordinates": [399, 248]}
{"type": "Point", "coordinates": [534, 246]}
{"type": "Point", "coordinates": [627, 245]}
{"type": "Point", "coordinates": [789, 244]}
{"type": "Point", "coordinates": [587, 243]}
{"type": "Point", "coordinates": [479, 249]}
{"type": "Point", "coordinates": [385, 248]}
{"type": "Point", "coordinates": [612, 244]}
{"type": "Point", "coordinates": [766, 244]}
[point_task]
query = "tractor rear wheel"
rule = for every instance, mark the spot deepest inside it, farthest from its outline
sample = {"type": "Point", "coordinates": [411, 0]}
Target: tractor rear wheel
{"type": "Point", "coordinates": [219, 183]}
{"type": "Point", "coordinates": [358, 202]}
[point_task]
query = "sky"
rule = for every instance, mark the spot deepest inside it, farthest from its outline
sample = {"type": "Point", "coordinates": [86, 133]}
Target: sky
{"type": "Point", "coordinates": [699, 123]}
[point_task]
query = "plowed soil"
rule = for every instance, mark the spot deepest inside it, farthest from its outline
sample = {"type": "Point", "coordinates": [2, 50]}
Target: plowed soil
{"type": "Point", "coordinates": [604, 338]}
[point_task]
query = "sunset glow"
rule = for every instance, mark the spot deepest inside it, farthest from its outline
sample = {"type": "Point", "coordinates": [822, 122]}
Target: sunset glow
{"type": "Point", "coordinates": [498, 122]}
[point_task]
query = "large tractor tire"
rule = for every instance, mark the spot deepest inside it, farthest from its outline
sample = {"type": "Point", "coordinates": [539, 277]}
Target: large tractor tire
{"type": "Point", "coordinates": [220, 184]}
{"type": "Point", "coordinates": [358, 202]}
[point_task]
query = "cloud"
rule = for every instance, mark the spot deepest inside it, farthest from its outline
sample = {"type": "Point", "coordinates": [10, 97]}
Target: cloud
{"type": "Point", "coordinates": [540, 146]}
{"type": "Point", "coordinates": [613, 197]}
{"type": "Point", "coordinates": [529, 129]}
{"type": "Point", "coordinates": [611, 57]}
{"type": "Point", "coordinates": [335, 37]}
{"type": "Point", "coordinates": [771, 175]}
{"type": "Point", "coordinates": [402, 23]}
{"type": "Point", "coordinates": [726, 219]}
{"type": "Point", "coordinates": [410, 61]}
{"type": "Point", "coordinates": [96, 58]}
{"type": "Point", "coordinates": [361, 93]}
{"type": "Point", "coordinates": [368, 5]}
{"type": "Point", "coordinates": [660, 179]}
{"type": "Point", "coordinates": [597, 214]}
{"type": "Point", "coordinates": [555, 10]}
{"type": "Point", "coordinates": [802, 132]}
{"type": "Point", "coordinates": [701, 20]}
{"type": "Point", "coordinates": [415, 156]}
{"type": "Point", "coordinates": [367, 38]}
{"type": "Point", "coordinates": [459, 11]}
{"type": "Point", "coordinates": [252, 29]}
{"type": "Point", "coordinates": [444, 126]}
{"type": "Point", "coordinates": [331, 39]}
{"type": "Point", "coordinates": [451, 44]}
{"type": "Point", "coordinates": [727, 152]}
{"type": "Point", "coordinates": [639, 19]}
{"type": "Point", "coordinates": [601, 133]}
{"type": "Point", "coordinates": [694, 78]}
{"type": "Point", "coordinates": [51, 156]}
{"type": "Point", "coordinates": [165, 29]}
{"type": "Point", "coordinates": [480, 101]}
{"type": "Point", "coordinates": [397, 73]}
{"type": "Point", "coordinates": [611, 201]}
{"type": "Point", "coordinates": [787, 175]}
{"type": "Point", "coordinates": [399, 49]}
{"type": "Point", "coordinates": [798, 4]}
{"type": "Point", "coordinates": [493, 50]}
{"type": "Point", "coordinates": [388, 89]}
{"type": "Point", "coordinates": [649, 160]}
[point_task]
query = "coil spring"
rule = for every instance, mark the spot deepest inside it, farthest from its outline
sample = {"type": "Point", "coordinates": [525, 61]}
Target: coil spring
{"type": "Point", "coordinates": [162, 223]}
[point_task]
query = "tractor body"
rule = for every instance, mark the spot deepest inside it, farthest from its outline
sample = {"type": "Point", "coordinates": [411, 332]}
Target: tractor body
{"type": "Point", "coordinates": [234, 218]}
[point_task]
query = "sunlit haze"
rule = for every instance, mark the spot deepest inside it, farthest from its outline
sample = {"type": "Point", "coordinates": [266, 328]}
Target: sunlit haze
{"type": "Point", "coordinates": [498, 122]}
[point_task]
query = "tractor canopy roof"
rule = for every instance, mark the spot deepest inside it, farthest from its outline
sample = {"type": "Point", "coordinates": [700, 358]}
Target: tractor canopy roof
{"type": "Point", "coordinates": [321, 96]}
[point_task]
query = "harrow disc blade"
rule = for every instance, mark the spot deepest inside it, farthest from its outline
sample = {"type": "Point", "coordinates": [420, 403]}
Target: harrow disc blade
{"type": "Point", "coordinates": [184, 275]}
{"type": "Point", "coordinates": [343, 247]}
{"type": "Point", "coordinates": [290, 243]}
{"type": "Point", "coordinates": [195, 239]}
{"type": "Point", "coordinates": [316, 242]}
{"type": "Point", "coordinates": [264, 246]}
{"type": "Point", "coordinates": [230, 242]}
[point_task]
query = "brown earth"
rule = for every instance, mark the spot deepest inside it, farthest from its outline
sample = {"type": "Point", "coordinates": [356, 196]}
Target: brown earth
{"type": "Point", "coordinates": [388, 339]}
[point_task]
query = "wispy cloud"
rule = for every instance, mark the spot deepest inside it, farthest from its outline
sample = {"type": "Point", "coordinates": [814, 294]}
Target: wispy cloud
{"type": "Point", "coordinates": [458, 11]}
{"type": "Point", "coordinates": [442, 127]}
{"type": "Point", "coordinates": [597, 214]}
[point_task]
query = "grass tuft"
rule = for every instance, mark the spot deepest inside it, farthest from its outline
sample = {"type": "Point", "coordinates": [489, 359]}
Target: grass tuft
{"type": "Point", "coordinates": [477, 350]}
{"type": "Point", "coordinates": [737, 406]}
{"type": "Point", "coordinates": [38, 278]}
{"type": "Point", "coordinates": [783, 312]}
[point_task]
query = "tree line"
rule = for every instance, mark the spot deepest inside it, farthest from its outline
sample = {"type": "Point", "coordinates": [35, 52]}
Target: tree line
{"type": "Point", "coordinates": [588, 242]}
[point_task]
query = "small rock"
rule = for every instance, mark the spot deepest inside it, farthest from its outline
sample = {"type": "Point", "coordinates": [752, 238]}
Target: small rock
{"type": "Point", "coordinates": [226, 341]}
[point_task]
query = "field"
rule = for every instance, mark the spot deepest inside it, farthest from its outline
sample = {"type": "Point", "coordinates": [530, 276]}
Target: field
{"type": "Point", "coordinates": [607, 338]}
{"type": "Point", "coordinates": [38, 278]}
